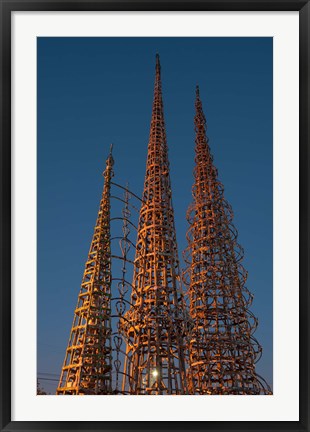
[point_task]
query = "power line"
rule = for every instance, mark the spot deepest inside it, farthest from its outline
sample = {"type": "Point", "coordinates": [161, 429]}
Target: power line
{"type": "Point", "coordinates": [47, 379]}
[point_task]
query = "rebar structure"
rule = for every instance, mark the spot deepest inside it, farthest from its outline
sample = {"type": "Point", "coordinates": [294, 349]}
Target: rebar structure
{"type": "Point", "coordinates": [122, 260]}
{"type": "Point", "coordinates": [155, 324]}
{"type": "Point", "coordinates": [133, 332]}
{"type": "Point", "coordinates": [223, 350]}
{"type": "Point", "coordinates": [87, 365]}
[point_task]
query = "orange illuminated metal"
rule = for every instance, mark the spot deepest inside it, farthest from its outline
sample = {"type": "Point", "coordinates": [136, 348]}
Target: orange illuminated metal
{"type": "Point", "coordinates": [223, 351]}
{"type": "Point", "coordinates": [154, 327]}
{"type": "Point", "coordinates": [87, 365]}
{"type": "Point", "coordinates": [144, 339]}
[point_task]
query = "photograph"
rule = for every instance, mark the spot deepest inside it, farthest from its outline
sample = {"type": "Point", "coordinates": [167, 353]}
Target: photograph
{"type": "Point", "coordinates": [154, 216]}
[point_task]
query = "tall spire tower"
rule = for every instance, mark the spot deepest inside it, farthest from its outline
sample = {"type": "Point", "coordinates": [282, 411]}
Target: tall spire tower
{"type": "Point", "coordinates": [223, 351]}
{"type": "Point", "coordinates": [87, 365]}
{"type": "Point", "coordinates": [154, 326]}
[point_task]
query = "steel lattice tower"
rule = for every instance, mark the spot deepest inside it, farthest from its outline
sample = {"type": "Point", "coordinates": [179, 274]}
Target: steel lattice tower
{"type": "Point", "coordinates": [87, 365]}
{"type": "Point", "coordinates": [155, 324]}
{"type": "Point", "coordinates": [223, 351]}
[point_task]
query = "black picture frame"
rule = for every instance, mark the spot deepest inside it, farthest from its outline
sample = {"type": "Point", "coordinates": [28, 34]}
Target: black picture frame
{"type": "Point", "coordinates": [9, 6]}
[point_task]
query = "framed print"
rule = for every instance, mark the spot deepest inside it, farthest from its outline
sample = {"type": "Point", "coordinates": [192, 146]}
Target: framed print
{"type": "Point", "coordinates": [155, 179]}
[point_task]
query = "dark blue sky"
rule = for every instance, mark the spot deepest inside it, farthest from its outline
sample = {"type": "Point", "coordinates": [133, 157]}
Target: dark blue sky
{"type": "Point", "coordinates": [95, 91]}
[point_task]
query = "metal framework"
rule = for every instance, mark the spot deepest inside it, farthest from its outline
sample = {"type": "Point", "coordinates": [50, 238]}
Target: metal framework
{"type": "Point", "coordinates": [87, 366]}
{"type": "Point", "coordinates": [141, 338]}
{"type": "Point", "coordinates": [122, 259]}
{"type": "Point", "coordinates": [223, 351]}
{"type": "Point", "coordinates": [155, 325]}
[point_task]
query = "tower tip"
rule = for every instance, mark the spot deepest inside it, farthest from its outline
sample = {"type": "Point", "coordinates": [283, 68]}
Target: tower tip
{"type": "Point", "coordinates": [197, 90]}
{"type": "Point", "coordinates": [157, 63]}
{"type": "Point", "coordinates": [110, 160]}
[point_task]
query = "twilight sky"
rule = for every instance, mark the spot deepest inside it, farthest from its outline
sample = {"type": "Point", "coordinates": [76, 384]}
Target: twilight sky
{"type": "Point", "coordinates": [97, 91]}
